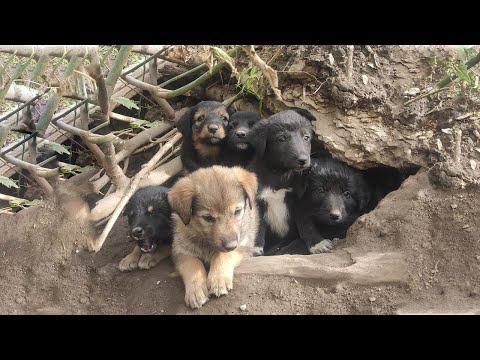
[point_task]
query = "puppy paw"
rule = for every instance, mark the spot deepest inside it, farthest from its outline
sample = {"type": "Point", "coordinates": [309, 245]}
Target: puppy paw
{"type": "Point", "coordinates": [129, 262]}
{"type": "Point", "coordinates": [257, 251]}
{"type": "Point", "coordinates": [322, 247]}
{"type": "Point", "coordinates": [147, 261]}
{"type": "Point", "coordinates": [219, 284]}
{"type": "Point", "coordinates": [196, 295]}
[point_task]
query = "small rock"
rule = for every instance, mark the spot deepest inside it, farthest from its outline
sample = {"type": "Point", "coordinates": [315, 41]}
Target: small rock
{"type": "Point", "coordinates": [77, 251]}
{"type": "Point", "coordinates": [465, 226]}
{"type": "Point", "coordinates": [454, 206]}
{"type": "Point", "coordinates": [158, 282]}
{"type": "Point", "coordinates": [20, 300]}
{"type": "Point", "coordinates": [412, 91]}
{"type": "Point", "coordinates": [162, 311]}
{"type": "Point", "coordinates": [365, 79]}
{"type": "Point", "coordinates": [372, 298]}
{"type": "Point", "coordinates": [243, 307]}
{"type": "Point", "coordinates": [84, 300]}
{"type": "Point", "coordinates": [473, 164]}
{"type": "Point", "coordinates": [478, 257]}
{"type": "Point", "coordinates": [331, 59]}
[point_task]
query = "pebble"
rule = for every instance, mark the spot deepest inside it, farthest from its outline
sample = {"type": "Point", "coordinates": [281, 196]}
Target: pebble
{"type": "Point", "coordinates": [465, 226]}
{"type": "Point", "coordinates": [243, 307]}
{"type": "Point", "coordinates": [454, 206]}
{"type": "Point", "coordinates": [372, 298]}
{"type": "Point", "coordinates": [162, 311]}
{"type": "Point", "coordinates": [158, 282]}
{"type": "Point", "coordinates": [77, 251]}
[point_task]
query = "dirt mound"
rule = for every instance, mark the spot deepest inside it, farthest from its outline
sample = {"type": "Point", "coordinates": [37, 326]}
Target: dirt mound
{"type": "Point", "coordinates": [433, 234]}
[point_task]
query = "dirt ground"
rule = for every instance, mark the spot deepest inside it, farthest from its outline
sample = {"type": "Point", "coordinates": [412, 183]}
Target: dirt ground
{"type": "Point", "coordinates": [45, 270]}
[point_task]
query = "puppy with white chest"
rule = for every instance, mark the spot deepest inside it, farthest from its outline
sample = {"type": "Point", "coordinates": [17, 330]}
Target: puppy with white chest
{"type": "Point", "coordinates": [215, 223]}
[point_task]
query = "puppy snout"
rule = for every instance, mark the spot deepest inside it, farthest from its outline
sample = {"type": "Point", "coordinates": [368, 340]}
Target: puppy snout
{"type": "Point", "coordinates": [302, 160]}
{"type": "Point", "coordinates": [241, 133]}
{"type": "Point", "coordinates": [138, 232]}
{"type": "Point", "coordinates": [335, 215]}
{"type": "Point", "coordinates": [213, 128]}
{"type": "Point", "coordinates": [229, 244]}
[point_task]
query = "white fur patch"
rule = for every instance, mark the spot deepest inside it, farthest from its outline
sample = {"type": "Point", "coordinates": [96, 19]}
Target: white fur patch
{"type": "Point", "coordinates": [277, 213]}
{"type": "Point", "coordinates": [242, 146]}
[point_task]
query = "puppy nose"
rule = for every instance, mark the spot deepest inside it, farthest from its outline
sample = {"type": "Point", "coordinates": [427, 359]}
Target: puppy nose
{"type": "Point", "coordinates": [241, 134]}
{"type": "Point", "coordinates": [229, 246]}
{"type": "Point", "coordinates": [137, 231]}
{"type": "Point", "coordinates": [213, 128]}
{"type": "Point", "coordinates": [335, 215]}
{"type": "Point", "coordinates": [302, 160]}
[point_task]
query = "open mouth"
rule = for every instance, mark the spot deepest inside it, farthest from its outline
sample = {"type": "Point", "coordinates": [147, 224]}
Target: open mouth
{"type": "Point", "coordinates": [146, 245]}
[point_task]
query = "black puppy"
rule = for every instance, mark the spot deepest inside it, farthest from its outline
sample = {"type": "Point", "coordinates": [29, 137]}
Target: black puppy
{"type": "Point", "coordinates": [149, 215]}
{"type": "Point", "coordinates": [203, 128]}
{"type": "Point", "coordinates": [282, 146]}
{"type": "Point", "coordinates": [334, 195]}
{"type": "Point", "coordinates": [238, 152]}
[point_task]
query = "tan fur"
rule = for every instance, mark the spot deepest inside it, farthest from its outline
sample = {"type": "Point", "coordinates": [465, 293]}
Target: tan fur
{"type": "Point", "coordinates": [138, 259]}
{"type": "Point", "coordinates": [194, 277]}
{"type": "Point", "coordinates": [205, 150]}
{"type": "Point", "coordinates": [219, 191]}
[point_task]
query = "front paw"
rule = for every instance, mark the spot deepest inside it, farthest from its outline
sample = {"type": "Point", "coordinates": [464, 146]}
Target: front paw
{"type": "Point", "coordinates": [257, 251]}
{"type": "Point", "coordinates": [129, 262]}
{"type": "Point", "coordinates": [196, 295]}
{"type": "Point", "coordinates": [322, 247]}
{"type": "Point", "coordinates": [219, 284]}
{"type": "Point", "coordinates": [147, 261]}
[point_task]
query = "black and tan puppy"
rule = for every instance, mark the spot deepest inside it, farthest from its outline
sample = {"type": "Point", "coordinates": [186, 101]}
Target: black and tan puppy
{"type": "Point", "coordinates": [282, 146]}
{"type": "Point", "coordinates": [203, 128]}
{"type": "Point", "coordinates": [149, 219]}
{"type": "Point", "coordinates": [215, 222]}
{"type": "Point", "coordinates": [238, 152]}
{"type": "Point", "coordinates": [333, 197]}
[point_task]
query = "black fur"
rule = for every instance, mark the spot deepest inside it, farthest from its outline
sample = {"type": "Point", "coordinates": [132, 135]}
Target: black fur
{"type": "Point", "coordinates": [191, 159]}
{"type": "Point", "coordinates": [282, 146]}
{"type": "Point", "coordinates": [334, 195]}
{"type": "Point", "coordinates": [150, 228]}
{"type": "Point", "coordinates": [237, 151]}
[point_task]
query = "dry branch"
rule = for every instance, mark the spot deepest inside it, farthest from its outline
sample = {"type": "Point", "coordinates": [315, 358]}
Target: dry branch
{"type": "Point", "coordinates": [267, 71]}
{"type": "Point", "coordinates": [38, 173]}
{"type": "Point", "coordinates": [20, 93]}
{"type": "Point", "coordinates": [130, 190]}
{"type": "Point", "coordinates": [51, 50]}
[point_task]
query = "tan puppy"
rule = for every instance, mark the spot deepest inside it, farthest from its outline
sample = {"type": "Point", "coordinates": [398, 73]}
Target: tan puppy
{"type": "Point", "coordinates": [215, 222]}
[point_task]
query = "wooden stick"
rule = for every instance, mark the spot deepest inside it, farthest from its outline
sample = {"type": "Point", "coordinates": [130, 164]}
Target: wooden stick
{"type": "Point", "coordinates": [130, 190]}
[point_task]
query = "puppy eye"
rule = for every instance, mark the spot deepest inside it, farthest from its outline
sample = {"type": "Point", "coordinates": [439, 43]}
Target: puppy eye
{"type": "Point", "coordinates": [231, 126]}
{"type": "Point", "coordinates": [306, 137]}
{"type": "Point", "coordinates": [251, 123]}
{"type": "Point", "coordinates": [200, 118]}
{"type": "Point", "coordinates": [224, 118]}
{"type": "Point", "coordinates": [237, 212]}
{"type": "Point", "coordinates": [208, 218]}
{"type": "Point", "coordinates": [282, 138]}
{"type": "Point", "coordinates": [347, 194]}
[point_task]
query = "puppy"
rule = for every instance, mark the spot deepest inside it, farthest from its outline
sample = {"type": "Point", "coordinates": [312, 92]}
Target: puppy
{"type": "Point", "coordinates": [282, 146]}
{"type": "Point", "coordinates": [203, 128]}
{"type": "Point", "coordinates": [149, 219]}
{"type": "Point", "coordinates": [215, 222]}
{"type": "Point", "coordinates": [238, 152]}
{"type": "Point", "coordinates": [334, 196]}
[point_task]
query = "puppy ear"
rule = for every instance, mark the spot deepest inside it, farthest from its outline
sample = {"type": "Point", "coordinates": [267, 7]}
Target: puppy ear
{"type": "Point", "coordinates": [300, 183]}
{"type": "Point", "coordinates": [180, 198]}
{"type": "Point", "coordinates": [184, 124]}
{"type": "Point", "coordinates": [257, 137]}
{"type": "Point", "coordinates": [231, 110]}
{"type": "Point", "coordinates": [249, 183]}
{"type": "Point", "coordinates": [305, 113]}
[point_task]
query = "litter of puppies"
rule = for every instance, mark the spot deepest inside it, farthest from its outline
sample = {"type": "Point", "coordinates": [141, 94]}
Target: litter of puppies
{"type": "Point", "coordinates": [250, 187]}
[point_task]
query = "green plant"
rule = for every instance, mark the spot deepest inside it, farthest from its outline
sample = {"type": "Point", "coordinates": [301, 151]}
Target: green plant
{"type": "Point", "coordinates": [5, 181]}
{"type": "Point", "coordinates": [251, 82]}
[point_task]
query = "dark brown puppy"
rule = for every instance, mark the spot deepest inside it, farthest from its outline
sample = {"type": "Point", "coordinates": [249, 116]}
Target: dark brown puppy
{"type": "Point", "coordinates": [203, 128]}
{"type": "Point", "coordinates": [215, 222]}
